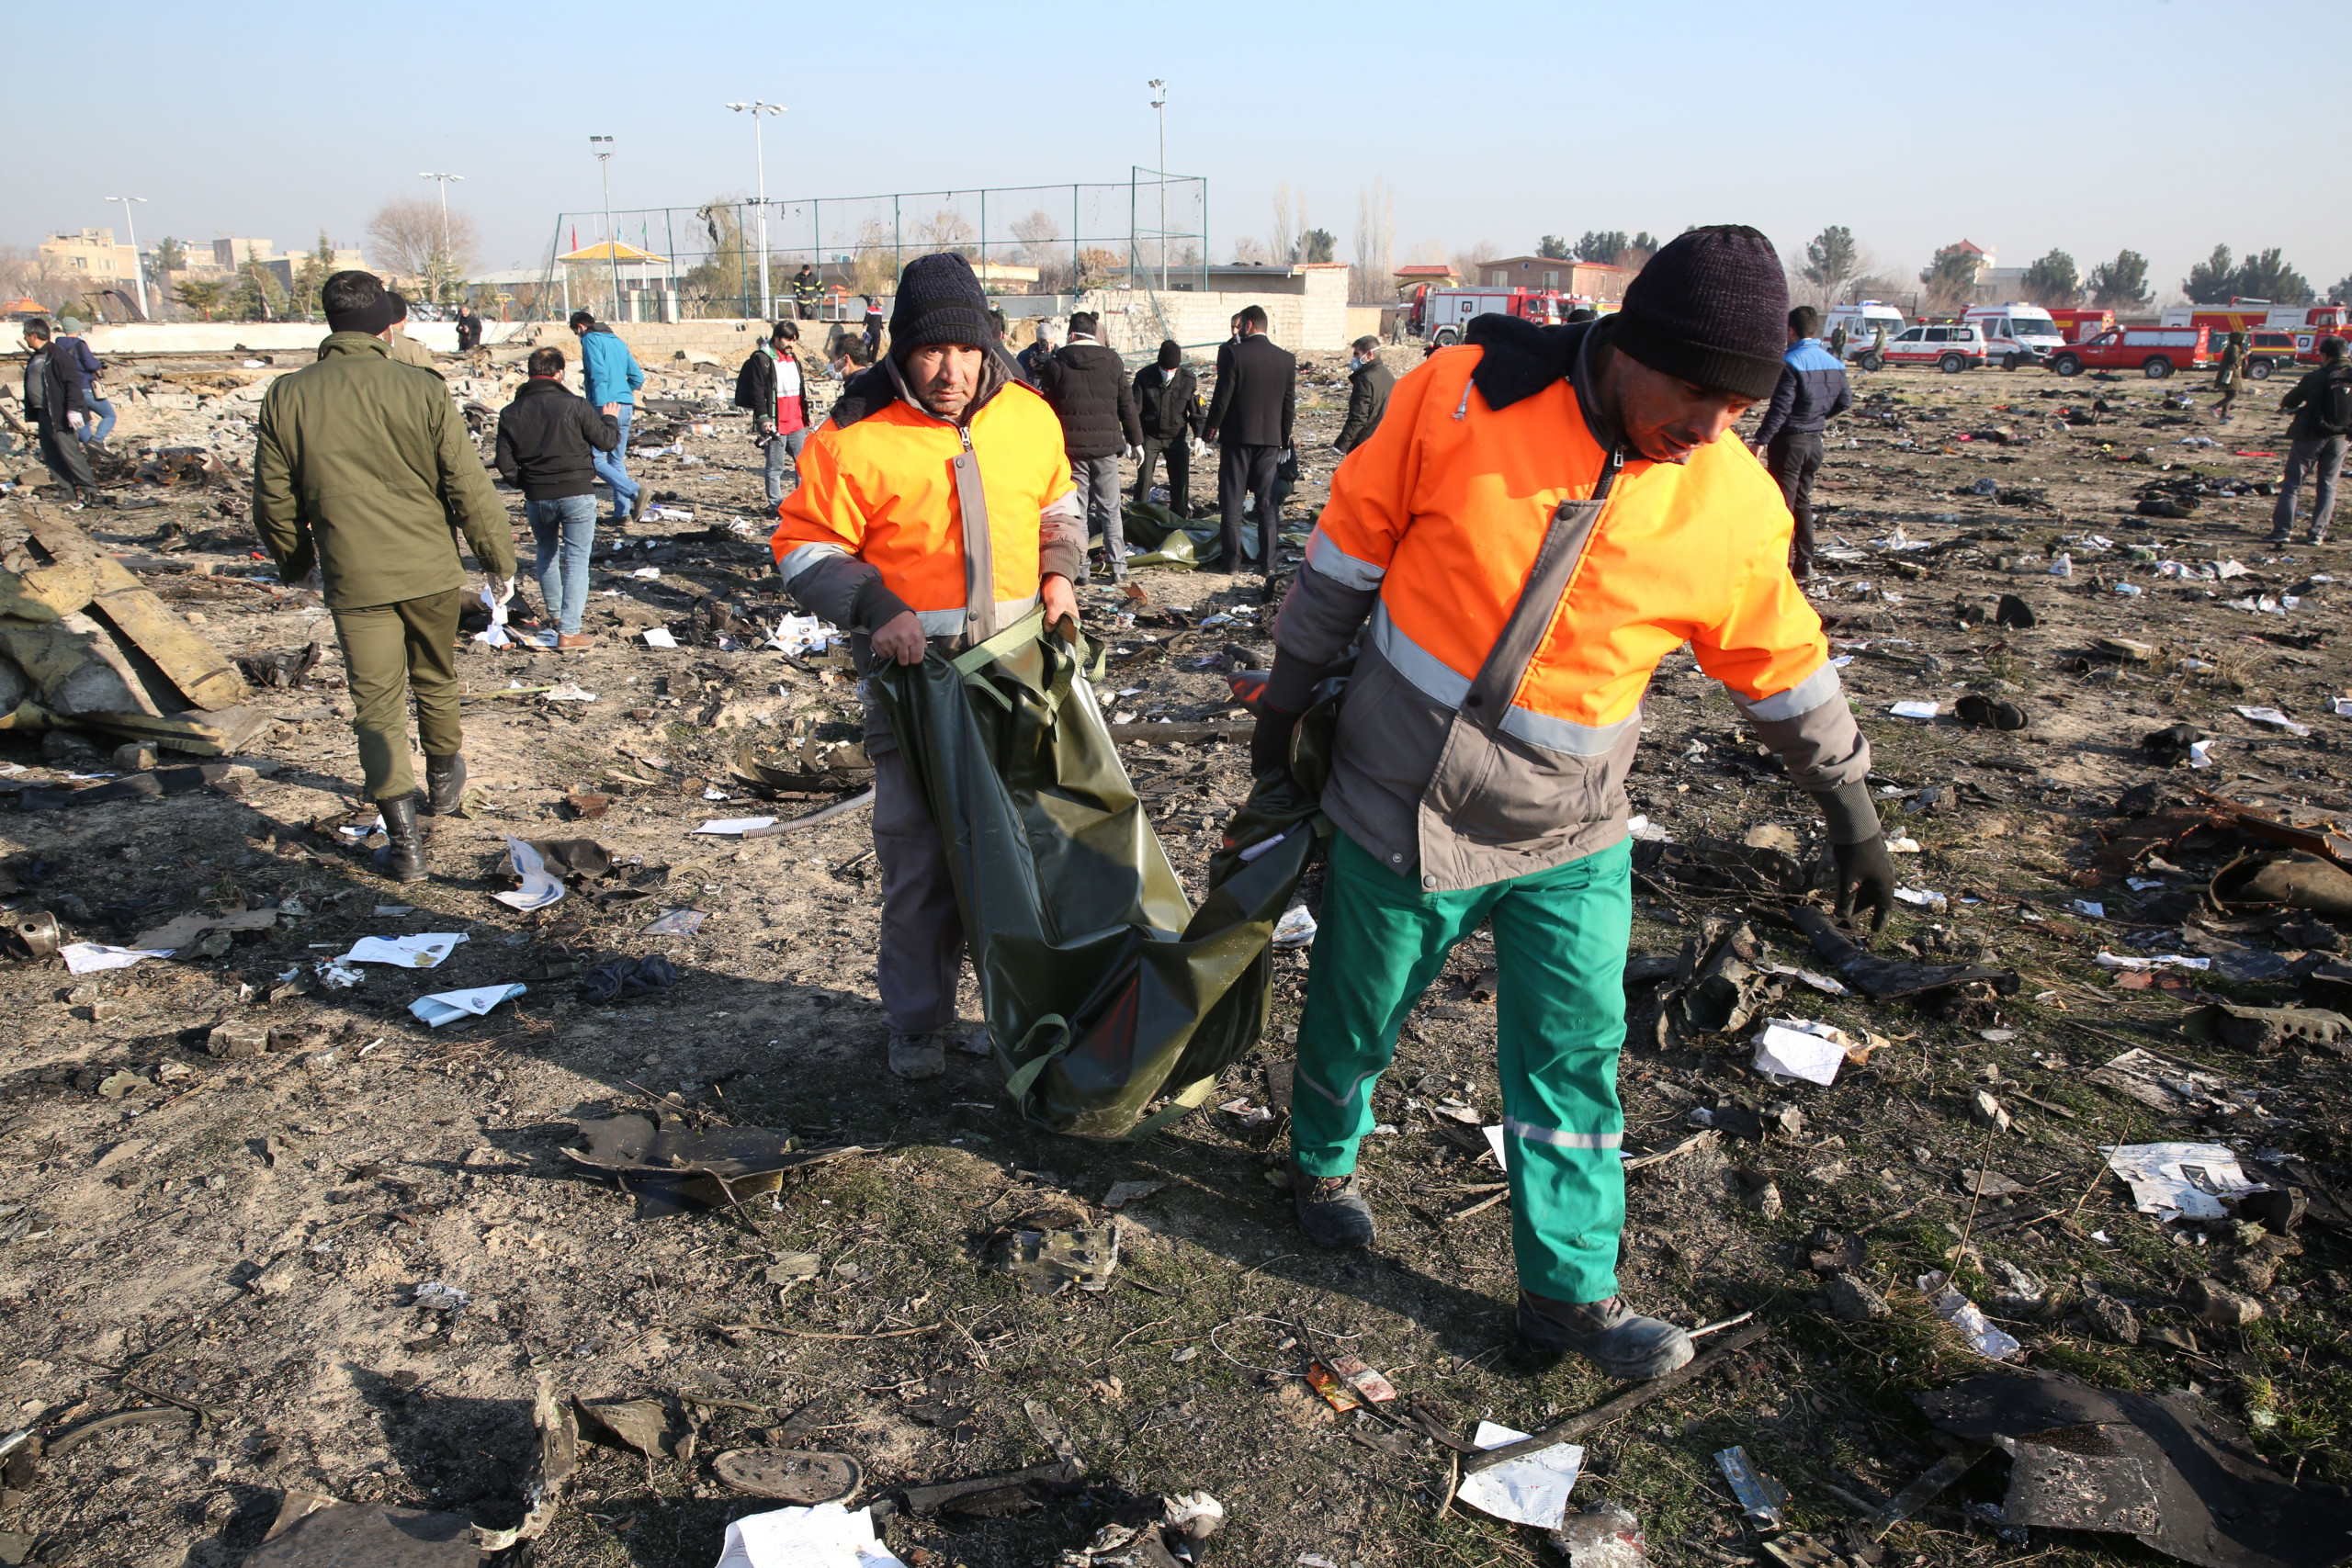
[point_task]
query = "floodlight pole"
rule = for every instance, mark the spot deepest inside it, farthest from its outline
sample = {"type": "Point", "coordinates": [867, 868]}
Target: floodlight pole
{"type": "Point", "coordinates": [138, 266]}
{"type": "Point", "coordinates": [1159, 104]}
{"type": "Point", "coordinates": [445, 180]}
{"type": "Point", "coordinates": [759, 147]}
{"type": "Point", "coordinates": [612, 241]}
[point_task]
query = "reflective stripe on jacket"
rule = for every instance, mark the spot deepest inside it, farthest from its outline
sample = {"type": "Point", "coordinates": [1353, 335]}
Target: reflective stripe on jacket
{"type": "Point", "coordinates": [892, 499]}
{"type": "Point", "coordinates": [1521, 588]}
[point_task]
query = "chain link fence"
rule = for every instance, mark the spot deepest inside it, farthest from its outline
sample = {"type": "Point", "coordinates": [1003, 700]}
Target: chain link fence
{"type": "Point", "coordinates": [698, 263]}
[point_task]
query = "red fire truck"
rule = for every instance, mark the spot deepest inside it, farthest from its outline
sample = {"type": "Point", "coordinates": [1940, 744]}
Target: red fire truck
{"type": "Point", "coordinates": [2075, 325]}
{"type": "Point", "coordinates": [2241, 315]}
{"type": "Point", "coordinates": [1441, 314]}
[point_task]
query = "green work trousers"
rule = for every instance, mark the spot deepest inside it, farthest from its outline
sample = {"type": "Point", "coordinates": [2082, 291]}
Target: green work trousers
{"type": "Point", "coordinates": [389, 652]}
{"type": "Point", "coordinates": [1560, 939]}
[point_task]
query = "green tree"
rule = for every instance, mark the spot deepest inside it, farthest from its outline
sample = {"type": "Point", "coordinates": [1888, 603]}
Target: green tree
{"type": "Point", "coordinates": [2123, 281]}
{"type": "Point", "coordinates": [2212, 281]}
{"type": "Point", "coordinates": [1319, 245]}
{"type": "Point", "coordinates": [258, 296]}
{"type": "Point", "coordinates": [1647, 243]}
{"type": "Point", "coordinates": [315, 270]}
{"type": "Point", "coordinates": [1831, 259]}
{"type": "Point", "coordinates": [1601, 244]}
{"type": "Point", "coordinates": [2341, 293]}
{"type": "Point", "coordinates": [1952, 276]}
{"type": "Point", "coordinates": [2053, 280]}
{"type": "Point", "coordinates": [1554, 247]}
{"type": "Point", "coordinates": [2264, 274]}
{"type": "Point", "coordinates": [170, 255]}
{"type": "Point", "coordinates": [202, 295]}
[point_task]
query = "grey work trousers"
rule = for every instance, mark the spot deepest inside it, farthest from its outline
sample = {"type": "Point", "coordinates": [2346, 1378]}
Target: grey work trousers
{"type": "Point", "coordinates": [1098, 486]}
{"type": "Point", "coordinates": [2321, 457]}
{"type": "Point", "coordinates": [922, 930]}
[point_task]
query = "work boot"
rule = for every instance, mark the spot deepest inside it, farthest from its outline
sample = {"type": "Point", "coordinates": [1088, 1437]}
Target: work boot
{"type": "Point", "coordinates": [1332, 1209]}
{"type": "Point", "coordinates": [1609, 1334]}
{"type": "Point", "coordinates": [402, 860]}
{"type": "Point", "coordinates": [917, 1057]}
{"type": "Point", "coordinates": [445, 785]}
{"type": "Point", "coordinates": [572, 642]}
{"type": "Point", "coordinates": [643, 504]}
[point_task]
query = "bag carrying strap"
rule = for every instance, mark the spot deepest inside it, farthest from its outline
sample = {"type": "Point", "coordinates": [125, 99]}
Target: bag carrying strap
{"type": "Point", "coordinates": [1489, 700]}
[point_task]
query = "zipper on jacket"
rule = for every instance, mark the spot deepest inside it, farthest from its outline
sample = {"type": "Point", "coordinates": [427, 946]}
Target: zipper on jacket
{"type": "Point", "coordinates": [1609, 474]}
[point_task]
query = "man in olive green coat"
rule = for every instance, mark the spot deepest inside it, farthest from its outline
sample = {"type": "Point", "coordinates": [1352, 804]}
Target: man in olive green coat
{"type": "Point", "coordinates": [361, 467]}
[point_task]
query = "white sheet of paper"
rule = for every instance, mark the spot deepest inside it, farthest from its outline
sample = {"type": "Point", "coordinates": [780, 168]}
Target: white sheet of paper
{"type": "Point", "coordinates": [424, 951]}
{"type": "Point", "coordinates": [734, 827]}
{"type": "Point", "coordinates": [1800, 1048]}
{"type": "Point", "coordinates": [539, 887]}
{"type": "Point", "coordinates": [827, 1536]}
{"type": "Point", "coordinates": [447, 1006]}
{"type": "Point", "coordinates": [1530, 1491]}
{"type": "Point", "coordinates": [1494, 1142]}
{"type": "Point", "coordinates": [89, 957]}
{"type": "Point", "coordinates": [1914, 710]}
{"type": "Point", "coordinates": [659, 636]}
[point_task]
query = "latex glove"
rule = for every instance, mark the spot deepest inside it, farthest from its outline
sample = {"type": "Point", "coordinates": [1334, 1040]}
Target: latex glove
{"type": "Point", "coordinates": [1288, 454]}
{"type": "Point", "coordinates": [1865, 881]}
{"type": "Point", "coordinates": [503, 589]}
{"type": "Point", "coordinates": [1135, 454]}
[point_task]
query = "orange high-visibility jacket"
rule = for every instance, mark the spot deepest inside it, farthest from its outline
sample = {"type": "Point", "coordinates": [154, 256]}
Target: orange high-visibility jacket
{"type": "Point", "coordinates": [1523, 577]}
{"type": "Point", "coordinates": [898, 509]}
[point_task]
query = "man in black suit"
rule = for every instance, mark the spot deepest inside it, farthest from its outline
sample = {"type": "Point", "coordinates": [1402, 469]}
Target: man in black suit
{"type": "Point", "coordinates": [1249, 418]}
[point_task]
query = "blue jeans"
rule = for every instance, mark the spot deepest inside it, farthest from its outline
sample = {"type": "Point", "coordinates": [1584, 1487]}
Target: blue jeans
{"type": "Point", "coordinates": [613, 466]}
{"type": "Point", "coordinates": [103, 409]}
{"type": "Point", "coordinates": [782, 447]}
{"type": "Point", "coordinates": [564, 573]}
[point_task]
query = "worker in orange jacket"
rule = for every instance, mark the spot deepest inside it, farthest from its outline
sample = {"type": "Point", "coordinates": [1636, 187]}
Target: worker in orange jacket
{"type": "Point", "coordinates": [1544, 514]}
{"type": "Point", "coordinates": [935, 508]}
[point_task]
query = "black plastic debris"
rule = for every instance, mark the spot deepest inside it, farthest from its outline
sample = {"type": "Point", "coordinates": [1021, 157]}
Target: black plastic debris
{"type": "Point", "coordinates": [672, 1166]}
{"type": "Point", "coordinates": [2169, 747]}
{"type": "Point", "coordinates": [2169, 1469]}
{"type": "Point", "coordinates": [650, 975]}
{"type": "Point", "coordinates": [569, 858]}
{"type": "Point", "coordinates": [1884, 979]}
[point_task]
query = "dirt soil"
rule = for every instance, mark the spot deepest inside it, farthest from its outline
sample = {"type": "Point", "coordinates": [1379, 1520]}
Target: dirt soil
{"type": "Point", "coordinates": [252, 1234]}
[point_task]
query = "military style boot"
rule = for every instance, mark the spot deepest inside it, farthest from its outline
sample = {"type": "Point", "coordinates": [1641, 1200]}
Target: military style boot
{"type": "Point", "coordinates": [445, 785]}
{"type": "Point", "coordinates": [1609, 1334]}
{"type": "Point", "coordinates": [1332, 1209]}
{"type": "Point", "coordinates": [402, 860]}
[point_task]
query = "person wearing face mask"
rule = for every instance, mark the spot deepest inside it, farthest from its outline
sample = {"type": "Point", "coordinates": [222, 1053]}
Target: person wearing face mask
{"type": "Point", "coordinates": [935, 509]}
{"type": "Point", "coordinates": [1552, 512]}
{"type": "Point", "coordinates": [1369, 384]}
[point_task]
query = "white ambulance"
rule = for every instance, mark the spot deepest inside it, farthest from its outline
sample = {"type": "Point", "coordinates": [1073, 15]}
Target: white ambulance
{"type": "Point", "coordinates": [2016, 334]}
{"type": "Point", "coordinates": [1861, 323]}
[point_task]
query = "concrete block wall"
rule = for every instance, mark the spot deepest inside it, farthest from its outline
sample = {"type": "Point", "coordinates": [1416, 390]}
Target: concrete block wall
{"type": "Point", "coordinates": [1312, 321]}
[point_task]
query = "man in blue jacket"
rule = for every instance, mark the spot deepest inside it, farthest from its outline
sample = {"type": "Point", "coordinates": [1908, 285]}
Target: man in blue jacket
{"type": "Point", "coordinates": [609, 379]}
{"type": "Point", "coordinates": [1811, 390]}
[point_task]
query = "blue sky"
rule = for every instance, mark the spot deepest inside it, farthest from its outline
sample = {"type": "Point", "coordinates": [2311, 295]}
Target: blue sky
{"type": "Point", "coordinates": [2084, 125]}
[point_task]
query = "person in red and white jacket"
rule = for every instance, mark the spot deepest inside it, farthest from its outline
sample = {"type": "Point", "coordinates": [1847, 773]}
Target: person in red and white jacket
{"type": "Point", "coordinates": [773, 387]}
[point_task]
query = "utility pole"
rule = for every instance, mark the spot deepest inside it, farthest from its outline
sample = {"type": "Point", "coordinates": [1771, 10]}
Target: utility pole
{"type": "Point", "coordinates": [612, 241]}
{"type": "Point", "coordinates": [759, 147]}
{"type": "Point", "coordinates": [448, 268]}
{"type": "Point", "coordinates": [137, 266]}
{"type": "Point", "coordinates": [1159, 104]}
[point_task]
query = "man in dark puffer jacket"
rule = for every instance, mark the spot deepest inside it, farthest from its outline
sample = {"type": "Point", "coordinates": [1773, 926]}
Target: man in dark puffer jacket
{"type": "Point", "coordinates": [1086, 385]}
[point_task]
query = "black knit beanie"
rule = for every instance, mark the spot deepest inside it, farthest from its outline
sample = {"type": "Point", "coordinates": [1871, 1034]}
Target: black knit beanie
{"type": "Point", "coordinates": [1170, 356]}
{"type": "Point", "coordinates": [939, 301]}
{"type": "Point", "coordinates": [1711, 308]}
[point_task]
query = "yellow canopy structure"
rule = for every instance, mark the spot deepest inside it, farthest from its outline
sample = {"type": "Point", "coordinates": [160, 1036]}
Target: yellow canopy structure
{"type": "Point", "coordinates": [611, 250]}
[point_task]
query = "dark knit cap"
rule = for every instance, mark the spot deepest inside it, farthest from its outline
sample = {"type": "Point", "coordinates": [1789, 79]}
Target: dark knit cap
{"type": "Point", "coordinates": [1171, 355]}
{"type": "Point", "coordinates": [1710, 308]}
{"type": "Point", "coordinates": [939, 301]}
